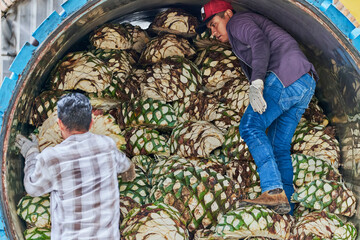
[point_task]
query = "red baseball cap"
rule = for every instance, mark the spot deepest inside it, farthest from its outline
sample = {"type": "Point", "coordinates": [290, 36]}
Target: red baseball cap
{"type": "Point", "coordinates": [209, 10]}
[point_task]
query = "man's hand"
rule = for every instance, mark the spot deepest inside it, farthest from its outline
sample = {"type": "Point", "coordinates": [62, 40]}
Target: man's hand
{"type": "Point", "coordinates": [257, 100]}
{"type": "Point", "coordinates": [25, 145]}
{"type": "Point", "coordinates": [130, 174]}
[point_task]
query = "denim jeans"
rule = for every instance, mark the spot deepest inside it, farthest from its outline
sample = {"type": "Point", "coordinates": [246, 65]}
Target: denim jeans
{"type": "Point", "coordinates": [271, 151]}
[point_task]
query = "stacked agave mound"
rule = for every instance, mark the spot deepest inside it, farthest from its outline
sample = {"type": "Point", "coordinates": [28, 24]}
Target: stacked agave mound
{"type": "Point", "coordinates": [174, 108]}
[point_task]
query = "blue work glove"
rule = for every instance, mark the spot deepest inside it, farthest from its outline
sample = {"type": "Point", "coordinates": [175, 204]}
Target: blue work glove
{"type": "Point", "coordinates": [256, 98]}
{"type": "Point", "coordinates": [27, 146]}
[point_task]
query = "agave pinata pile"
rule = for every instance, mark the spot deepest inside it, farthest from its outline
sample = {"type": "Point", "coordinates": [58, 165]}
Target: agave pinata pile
{"type": "Point", "coordinates": [173, 104]}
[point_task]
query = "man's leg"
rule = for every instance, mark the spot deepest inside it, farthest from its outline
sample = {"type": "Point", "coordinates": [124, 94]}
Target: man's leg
{"type": "Point", "coordinates": [280, 134]}
{"type": "Point", "coordinates": [252, 130]}
{"type": "Point", "coordinates": [281, 131]}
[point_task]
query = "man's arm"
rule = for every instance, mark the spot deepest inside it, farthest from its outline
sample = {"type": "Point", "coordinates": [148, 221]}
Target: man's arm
{"type": "Point", "coordinates": [37, 179]}
{"type": "Point", "coordinates": [249, 33]}
{"type": "Point", "coordinates": [125, 167]}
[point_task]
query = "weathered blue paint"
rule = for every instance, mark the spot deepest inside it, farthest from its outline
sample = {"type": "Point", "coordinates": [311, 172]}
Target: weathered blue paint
{"type": "Point", "coordinates": [6, 91]}
{"type": "Point", "coordinates": [71, 6]}
{"type": "Point", "coordinates": [339, 20]}
{"type": "Point", "coordinates": [22, 58]}
{"type": "Point", "coordinates": [47, 26]}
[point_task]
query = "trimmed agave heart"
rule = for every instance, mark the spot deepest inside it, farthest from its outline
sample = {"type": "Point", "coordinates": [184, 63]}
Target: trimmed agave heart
{"type": "Point", "coordinates": [121, 63]}
{"type": "Point", "coordinates": [308, 169]}
{"type": "Point", "coordinates": [315, 114]}
{"type": "Point", "coordinates": [43, 106]}
{"type": "Point", "coordinates": [154, 221]}
{"type": "Point", "coordinates": [330, 196]}
{"type": "Point", "coordinates": [171, 80]}
{"type": "Point", "coordinates": [200, 194]}
{"type": "Point", "coordinates": [165, 165]}
{"type": "Point", "coordinates": [195, 139]}
{"type": "Point", "coordinates": [235, 95]}
{"type": "Point", "coordinates": [218, 65]}
{"type": "Point", "coordinates": [176, 21]}
{"type": "Point", "coordinates": [35, 210]}
{"type": "Point", "coordinates": [301, 211]}
{"type": "Point", "coordinates": [118, 61]}
{"type": "Point", "coordinates": [244, 172]}
{"type": "Point", "coordinates": [206, 234]}
{"type": "Point", "coordinates": [349, 134]}
{"type": "Point", "coordinates": [226, 118]}
{"type": "Point", "coordinates": [197, 106]}
{"type": "Point", "coordinates": [317, 141]}
{"type": "Point", "coordinates": [164, 46]}
{"type": "Point", "coordinates": [145, 112]}
{"type": "Point", "coordinates": [144, 162]}
{"type": "Point", "coordinates": [137, 189]}
{"type": "Point", "coordinates": [145, 141]}
{"type": "Point", "coordinates": [37, 233]}
{"type": "Point", "coordinates": [322, 225]}
{"type": "Point", "coordinates": [255, 221]}
{"type": "Point", "coordinates": [81, 71]}
{"type": "Point", "coordinates": [139, 37]}
{"type": "Point", "coordinates": [234, 146]}
{"type": "Point", "coordinates": [253, 191]}
{"type": "Point", "coordinates": [126, 205]}
{"type": "Point", "coordinates": [111, 36]}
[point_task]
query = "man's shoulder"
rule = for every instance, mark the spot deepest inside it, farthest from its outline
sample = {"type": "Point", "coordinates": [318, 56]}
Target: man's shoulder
{"type": "Point", "coordinates": [101, 140]}
{"type": "Point", "coordinates": [246, 15]}
{"type": "Point", "coordinates": [101, 137]}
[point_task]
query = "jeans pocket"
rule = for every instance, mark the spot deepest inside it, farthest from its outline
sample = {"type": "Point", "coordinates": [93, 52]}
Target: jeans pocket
{"type": "Point", "coordinates": [293, 95]}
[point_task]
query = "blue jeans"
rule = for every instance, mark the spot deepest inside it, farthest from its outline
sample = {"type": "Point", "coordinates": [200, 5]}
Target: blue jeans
{"type": "Point", "coordinates": [271, 152]}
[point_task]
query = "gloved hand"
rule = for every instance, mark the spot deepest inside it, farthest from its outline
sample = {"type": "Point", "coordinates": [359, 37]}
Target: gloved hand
{"type": "Point", "coordinates": [25, 145]}
{"type": "Point", "coordinates": [257, 100]}
{"type": "Point", "coordinates": [130, 174]}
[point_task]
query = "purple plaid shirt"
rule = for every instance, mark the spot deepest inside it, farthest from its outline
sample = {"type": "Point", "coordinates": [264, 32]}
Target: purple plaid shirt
{"type": "Point", "coordinates": [81, 175]}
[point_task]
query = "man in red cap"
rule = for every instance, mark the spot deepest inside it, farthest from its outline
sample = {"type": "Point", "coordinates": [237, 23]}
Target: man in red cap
{"type": "Point", "coordinates": [282, 83]}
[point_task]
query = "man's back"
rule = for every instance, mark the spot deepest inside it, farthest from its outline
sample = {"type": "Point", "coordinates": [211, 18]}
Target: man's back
{"type": "Point", "coordinates": [82, 178]}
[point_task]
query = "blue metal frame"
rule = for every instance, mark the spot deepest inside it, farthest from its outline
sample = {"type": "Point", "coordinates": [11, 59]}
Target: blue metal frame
{"type": "Point", "coordinates": [70, 6]}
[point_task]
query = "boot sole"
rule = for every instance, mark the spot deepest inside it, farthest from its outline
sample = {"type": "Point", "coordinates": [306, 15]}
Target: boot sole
{"type": "Point", "coordinates": [281, 209]}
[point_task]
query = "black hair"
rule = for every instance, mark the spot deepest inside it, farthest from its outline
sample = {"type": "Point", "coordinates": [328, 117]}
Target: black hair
{"type": "Point", "coordinates": [74, 110]}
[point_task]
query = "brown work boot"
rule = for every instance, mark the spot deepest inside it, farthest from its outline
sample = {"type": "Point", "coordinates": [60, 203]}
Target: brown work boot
{"type": "Point", "coordinates": [274, 199]}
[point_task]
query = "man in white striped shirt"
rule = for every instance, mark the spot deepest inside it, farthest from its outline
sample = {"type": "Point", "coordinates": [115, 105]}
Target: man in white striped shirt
{"type": "Point", "coordinates": [80, 173]}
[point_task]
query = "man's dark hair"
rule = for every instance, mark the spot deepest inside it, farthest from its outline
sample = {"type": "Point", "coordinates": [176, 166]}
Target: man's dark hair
{"type": "Point", "coordinates": [74, 110]}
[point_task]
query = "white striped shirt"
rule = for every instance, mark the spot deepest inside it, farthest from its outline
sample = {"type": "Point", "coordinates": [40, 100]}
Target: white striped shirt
{"type": "Point", "coordinates": [81, 175]}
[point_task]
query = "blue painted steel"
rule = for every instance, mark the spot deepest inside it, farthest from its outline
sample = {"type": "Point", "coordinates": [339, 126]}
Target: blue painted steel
{"type": "Point", "coordinates": [339, 20]}
{"type": "Point", "coordinates": [2, 228]}
{"type": "Point", "coordinates": [22, 59]}
{"type": "Point", "coordinates": [47, 26]}
{"type": "Point", "coordinates": [342, 22]}
{"type": "Point", "coordinates": [6, 91]}
{"type": "Point", "coordinates": [70, 6]}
